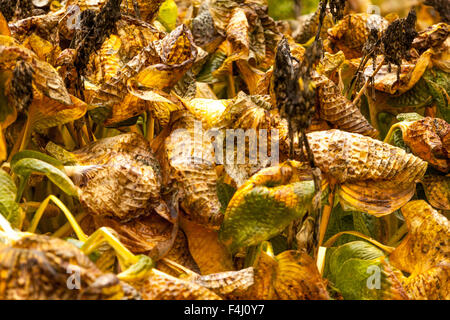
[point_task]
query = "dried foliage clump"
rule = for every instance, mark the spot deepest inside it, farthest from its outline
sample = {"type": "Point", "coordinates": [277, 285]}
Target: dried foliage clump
{"type": "Point", "coordinates": [243, 149]}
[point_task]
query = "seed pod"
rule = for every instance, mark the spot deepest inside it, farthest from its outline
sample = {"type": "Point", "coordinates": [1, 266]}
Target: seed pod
{"type": "Point", "coordinates": [119, 177]}
{"type": "Point", "coordinates": [338, 110]}
{"type": "Point", "coordinates": [36, 267]}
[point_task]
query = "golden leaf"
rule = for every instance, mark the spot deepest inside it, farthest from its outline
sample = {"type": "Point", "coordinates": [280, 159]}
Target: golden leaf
{"type": "Point", "coordinates": [424, 252]}
{"type": "Point", "coordinates": [289, 275]}
{"type": "Point", "coordinates": [208, 252]}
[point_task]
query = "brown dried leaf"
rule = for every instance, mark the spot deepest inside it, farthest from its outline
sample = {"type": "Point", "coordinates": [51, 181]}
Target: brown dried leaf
{"type": "Point", "coordinates": [429, 139]}
{"type": "Point", "coordinates": [375, 177]}
{"type": "Point", "coordinates": [161, 286]}
{"type": "Point", "coordinates": [338, 110]}
{"type": "Point", "coordinates": [437, 191]}
{"type": "Point", "coordinates": [187, 160]}
{"type": "Point", "coordinates": [119, 177]}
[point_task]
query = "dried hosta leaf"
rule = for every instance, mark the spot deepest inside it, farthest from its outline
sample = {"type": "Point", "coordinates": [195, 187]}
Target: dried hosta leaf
{"type": "Point", "coordinates": [188, 161]}
{"type": "Point", "coordinates": [150, 235]}
{"type": "Point", "coordinates": [204, 31]}
{"type": "Point", "coordinates": [437, 191]}
{"type": "Point", "coordinates": [375, 177]}
{"type": "Point", "coordinates": [424, 251]}
{"type": "Point", "coordinates": [297, 277]}
{"type": "Point", "coordinates": [429, 139]}
{"type": "Point", "coordinates": [119, 177]}
{"type": "Point", "coordinates": [410, 73]}
{"type": "Point", "coordinates": [431, 37]}
{"type": "Point", "coordinates": [265, 205]}
{"type": "Point", "coordinates": [265, 130]}
{"type": "Point", "coordinates": [46, 112]}
{"type": "Point", "coordinates": [208, 110]}
{"type": "Point", "coordinates": [427, 242]}
{"type": "Point", "coordinates": [177, 54]}
{"type": "Point", "coordinates": [45, 78]}
{"type": "Point", "coordinates": [180, 254]}
{"type": "Point", "coordinates": [351, 33]}
{"type": "Point", "coordinates": [338, 110]}
{"type": "Point", "coordinates": [208, 252]}
{"type": "Point", "coordinates": [349, 157]}
{"type": "Point", "coordinates": [35, 267]}
{"type": "Point", "coordinates": [228, 284]}
{"type": "Point", "coordinates": [148, 10]}
{"type": "Point", "coordinates": [308, 25]}
{"type": "Point", "coordinates": [433, 284]}
{"type": "Point", "coordinates": [289, 275]}
{"type": "Point", "coordinates": [160, 104]}
{"type": "Point", "coordinates": [161, 286]}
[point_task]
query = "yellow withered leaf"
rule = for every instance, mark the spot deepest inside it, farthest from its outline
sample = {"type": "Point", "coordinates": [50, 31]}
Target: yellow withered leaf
{"type": "Point", "coordinates": [45, 78]}
{"type": "Point", "coordinates": [427, 242]}
{"type": "Point", "coordinates": [180, 254]}
{"type": "Point", "coordinates": [208, 110]}
{"type": "Point", "coordinates": [227, 284]}
{"type": "Point", "coordinates": [289, 275]}
{"type": "Point", "coordinates": [208, 252]}
{"type": "Point", "coordinates": [433, 284]}
{"type": "Point", "coordinates": [424, 252]}
{"type": "Point", "coordinates": [148, 10]}
{"type": "Point", "coordinates": [46, 112]}
{"type": "Point", "coordinates": [35, 267]}
{"type": "Point", "coordinates": [177, 54]}
{"type": "Point", "coordinates": [4, 29]}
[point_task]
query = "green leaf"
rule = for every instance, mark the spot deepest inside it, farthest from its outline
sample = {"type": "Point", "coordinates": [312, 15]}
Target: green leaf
{"type": "Point", "coordinates": [25, 167]}
{"type": "Point", "coordinates": [167, 15]}
{"type": "Point", "coordinates": [8, 206]}
{"type": "Point", "coordinates": [36, 155]}
{"type": "Point", "coordinates": [355, 249]}
{"type": "Point", "coordinates": [260, 216]}
{"type": "Point", "coordinates": [360, 271]}
{"type": "Point", "coordinates": [224, 192]}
